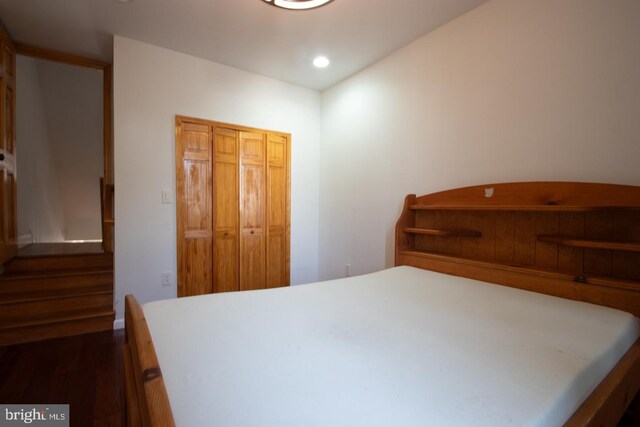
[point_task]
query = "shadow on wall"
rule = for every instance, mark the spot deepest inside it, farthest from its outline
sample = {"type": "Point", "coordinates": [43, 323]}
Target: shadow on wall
{"type": "Point", "coordinates": [59, 151]}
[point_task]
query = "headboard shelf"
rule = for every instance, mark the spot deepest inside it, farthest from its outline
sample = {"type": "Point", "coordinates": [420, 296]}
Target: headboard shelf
{"type": "Point", "coordinates": [444, 233]}
{"type": "Point", "coordinates": [595, 244]}
{"type": "Point", "coordinates": [574, 240]}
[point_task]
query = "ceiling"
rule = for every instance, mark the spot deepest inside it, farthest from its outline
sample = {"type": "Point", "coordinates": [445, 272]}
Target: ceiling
{"type": "Point", "coordinates": [246, 34]}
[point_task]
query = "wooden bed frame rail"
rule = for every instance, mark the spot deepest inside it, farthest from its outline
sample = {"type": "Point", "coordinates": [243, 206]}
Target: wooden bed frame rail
{"type": "Point", "coordinates": [608, 402]}
{"type": "Point", "coordinates": [147, 399]}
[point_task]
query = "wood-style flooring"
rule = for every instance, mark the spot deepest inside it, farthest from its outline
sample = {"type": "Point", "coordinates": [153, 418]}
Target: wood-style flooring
{"type": "Point", "coordinates": [83, 371]}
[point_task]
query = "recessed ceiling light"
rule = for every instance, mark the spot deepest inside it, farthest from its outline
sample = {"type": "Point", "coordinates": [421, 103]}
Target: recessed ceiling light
{"type": "Point", "coordinates": [298, 4]}
{"type": "Point", "coordinates": [321, 62]}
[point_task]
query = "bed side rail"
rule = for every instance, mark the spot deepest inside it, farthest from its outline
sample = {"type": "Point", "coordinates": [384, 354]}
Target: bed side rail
{"type": "Point", "coordinates": [608, 402]}
{"type": "Point", "coordinates": [147, 399]}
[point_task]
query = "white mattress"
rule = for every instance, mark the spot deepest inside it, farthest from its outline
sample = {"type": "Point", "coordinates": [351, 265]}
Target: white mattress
{"type": "Point", "coordinates": [401, 347]}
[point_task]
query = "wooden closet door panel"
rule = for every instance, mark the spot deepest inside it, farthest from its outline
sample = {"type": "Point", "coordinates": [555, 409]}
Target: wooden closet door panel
{"type": "Point", "coordinates": [194, 209]}
{"type": "Point", "coordinates": [226, 195]}
{"type": "Point", "coordinates": [225, 262]}
{"type": "Point", "coordinates": [276, 271]}
{"type": "Point", "coordinates": [277, 211]}
{"type": "Point", "coordinates": [225, 251]}
{"type": "Point", "coordinates": [252, 198]}
{"type": "Point", "coordinates": [252, 262]}
{"type": "Point", "coordinates": [252, 210]}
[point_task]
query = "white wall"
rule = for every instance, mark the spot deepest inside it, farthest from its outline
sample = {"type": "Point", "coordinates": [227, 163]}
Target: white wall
{"type": "Point", "coordinates": [151, 86]}
{"type": "Point", "coordinates": [40, 211]}
{"type": "Point", "coordinates": [72, 99]}
{"type": "Point", "coordinates": [515, 90]}
{"type": "Point", "coordinates": [59, 146]}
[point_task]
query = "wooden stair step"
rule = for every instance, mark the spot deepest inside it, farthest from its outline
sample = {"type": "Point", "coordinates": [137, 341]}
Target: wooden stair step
{"type": "Point", "coordinates": [11, 284]}
{"type": "Point", "coordinates": [52, 294]}
{"type": "Point", "coordinates": [65, 316]}
{"type": "Point", "coordinates": [59, 262]}
{"type": "Point", "coordinates": [39, 274]}
{"type": "Point", "coordinates": [12, 314]}
{"type": "Point", "coordinates": [63, 325]}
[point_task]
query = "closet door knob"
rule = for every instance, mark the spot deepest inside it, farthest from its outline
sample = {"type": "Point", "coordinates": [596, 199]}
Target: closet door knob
{"type": "Point", "coordinates": [252, 231]}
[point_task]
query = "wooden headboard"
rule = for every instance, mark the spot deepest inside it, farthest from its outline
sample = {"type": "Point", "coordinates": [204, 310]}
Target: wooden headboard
{"type": "Point", "coordinates": [573, 240]}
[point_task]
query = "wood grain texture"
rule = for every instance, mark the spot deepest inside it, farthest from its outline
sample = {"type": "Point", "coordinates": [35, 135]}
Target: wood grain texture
{"type": "Point", "coordinates": [525, 239]}
{"type": "Point", "coordinates": [132, 406]}
{"type": "Point", "coordinates": [407, 219]}
{"type": "Point", "coordinates": [253, 210]}
{"type": "Point", "coordinates": [194, 219]}
{"type": "Point", "coordinates": [448, 233]}
{"type": "Point", "coordinates": [583, 241]}
{"type": "Point", "coordinates": [226, 210]}
{"type": "Point", "coordinates": [151, 394]}
{"type": "Point", "coordinates": [594, 244]}
{"type": "Point", "coordinates": [608, 402]}
{"type": "Point", "coordinates": [83, 371]}
{"type": "Point", "coordinates": [504, 237]}
{"type": "Point", "coordinates": [74, 297]}
{"type": "Point", "coordinates": [625, 264]}
{"type": "Point", "coordinates": [535, 196]}
{"type": "Point", "coordinates": [250, 211]}
{"type": "Point", "coordinates": [51, 55]}
{"type": "Point", "coordinates": [277, 199]}
{"type": "Point", "coordinates": [546, 252]}
{"type": "Point", "coordinates": [571, 258]}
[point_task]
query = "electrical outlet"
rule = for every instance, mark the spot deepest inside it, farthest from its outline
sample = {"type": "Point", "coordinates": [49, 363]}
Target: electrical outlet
{"type": "Point", "coordinates": [348, 270]}
{"type": "Point", "coordinates": [166, 278]}
{"type": "Point", "coordinates": [167, 196]}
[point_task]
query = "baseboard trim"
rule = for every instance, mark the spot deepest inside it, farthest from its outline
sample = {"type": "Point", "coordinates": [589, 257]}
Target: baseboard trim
{"type": "Point", "coordinates": [118, 324]}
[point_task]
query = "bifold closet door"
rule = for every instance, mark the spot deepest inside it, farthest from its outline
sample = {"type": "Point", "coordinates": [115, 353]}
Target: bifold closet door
{"type": "Point", "coordinates": [225, 194]}
{"type": "Point", "coordinates": [277, 211]}
{"type": "Point", "coordinates": [252, 210]}
{"type": "Point", "coordinates": [233, 207]}
{"type": "Point", "coordinates": [194, 208]}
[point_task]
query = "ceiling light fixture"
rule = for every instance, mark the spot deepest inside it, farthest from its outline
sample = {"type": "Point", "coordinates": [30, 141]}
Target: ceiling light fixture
{"type": "Point", "coordinates": [298, 4]}
{"type": "Point", "coordinates": [321, 62]}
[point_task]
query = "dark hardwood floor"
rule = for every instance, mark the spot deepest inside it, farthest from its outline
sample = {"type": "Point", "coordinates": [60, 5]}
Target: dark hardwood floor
{"type": "Point", "coordinates": [84, 371]}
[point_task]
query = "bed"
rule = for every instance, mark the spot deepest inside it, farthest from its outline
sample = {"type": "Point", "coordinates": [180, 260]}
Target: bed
{"type": "Point", "coordinates": [432, 340]}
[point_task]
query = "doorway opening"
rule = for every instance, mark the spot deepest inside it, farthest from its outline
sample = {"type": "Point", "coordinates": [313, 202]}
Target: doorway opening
{"type": "Point", "coordinates": [63, 143]}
